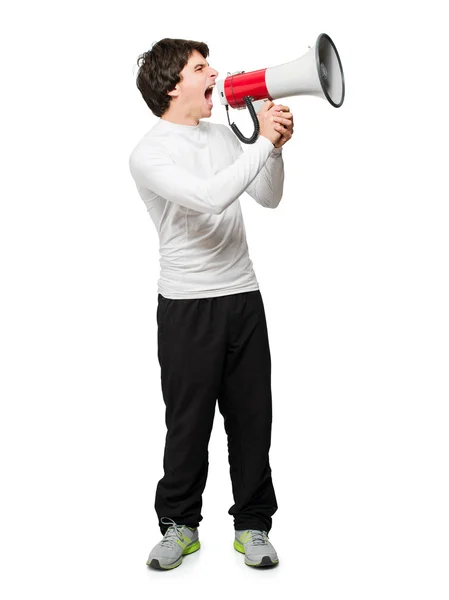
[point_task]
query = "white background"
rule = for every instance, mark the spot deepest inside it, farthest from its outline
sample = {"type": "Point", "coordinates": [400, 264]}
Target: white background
{"type": "Point", "coordinates": [352, 266]}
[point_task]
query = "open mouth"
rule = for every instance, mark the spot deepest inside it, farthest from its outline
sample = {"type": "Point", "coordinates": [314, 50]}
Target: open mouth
{"type": "Point", "coordinates": [208, 97]}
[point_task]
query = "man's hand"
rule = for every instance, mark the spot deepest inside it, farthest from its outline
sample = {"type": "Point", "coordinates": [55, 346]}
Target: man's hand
{"type": "Point", "coordinates": [283, 119]}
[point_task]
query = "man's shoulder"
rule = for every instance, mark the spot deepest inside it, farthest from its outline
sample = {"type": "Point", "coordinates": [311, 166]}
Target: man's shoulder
{"type": "Point", "coordinates": [223, 131]}
{"type": "Point", "coordinates": [220, 127]}
{"type": "Point", "coordinates": [147, 145]}
{"type": "Point", "coordinates": [154, 142]}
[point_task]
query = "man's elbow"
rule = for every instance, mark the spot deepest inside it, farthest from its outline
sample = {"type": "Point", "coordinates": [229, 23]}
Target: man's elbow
{"type": "Point", "coordinates": [217, 210]}
{"type": "Point", "coordinates": [215, 206]}
{"type": "Point", "coordinates": [274, 203]}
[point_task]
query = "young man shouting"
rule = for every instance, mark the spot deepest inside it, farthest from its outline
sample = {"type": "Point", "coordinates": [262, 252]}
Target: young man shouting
{"type": "Point", "coordinates": [212, 332]}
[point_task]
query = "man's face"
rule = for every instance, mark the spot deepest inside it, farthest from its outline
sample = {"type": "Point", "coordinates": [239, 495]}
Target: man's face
{"type": "Point", "coordinates": [189, 99]}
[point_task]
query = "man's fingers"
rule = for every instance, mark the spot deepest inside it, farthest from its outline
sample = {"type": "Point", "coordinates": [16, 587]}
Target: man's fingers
{"type": "Point", "coordinates": [283, 120]}
{"type": "Point", "coordinates": [284, 113]}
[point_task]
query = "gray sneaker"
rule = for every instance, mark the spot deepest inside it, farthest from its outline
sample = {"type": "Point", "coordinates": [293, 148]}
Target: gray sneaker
{"type": "Point", "coordinates": [257, 548]}
{"type": "Point", "coordinates": [178, 540]}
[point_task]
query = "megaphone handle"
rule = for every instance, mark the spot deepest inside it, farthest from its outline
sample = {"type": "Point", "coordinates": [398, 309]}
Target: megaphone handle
{"type": "Point", "coordinates": [248, 101]}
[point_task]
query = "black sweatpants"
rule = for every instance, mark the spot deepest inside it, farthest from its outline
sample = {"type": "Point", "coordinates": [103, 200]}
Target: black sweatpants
{"type": "Point", "coordinates": [215, 349]}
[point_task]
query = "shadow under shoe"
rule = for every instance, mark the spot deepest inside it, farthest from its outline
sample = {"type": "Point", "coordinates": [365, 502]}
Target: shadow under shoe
{"type": "Point", "coordinates": [178, 541]}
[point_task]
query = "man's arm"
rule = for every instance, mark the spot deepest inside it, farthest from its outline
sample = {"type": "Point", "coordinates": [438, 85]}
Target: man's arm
{"type": "Point", "coordinates": [267, 188]}
{"type": "Point", "coordinates": [154, 169]}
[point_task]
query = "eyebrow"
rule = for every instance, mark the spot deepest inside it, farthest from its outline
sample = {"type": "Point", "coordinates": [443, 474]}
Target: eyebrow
{"type": "Point", "coordinates": [202, 65]}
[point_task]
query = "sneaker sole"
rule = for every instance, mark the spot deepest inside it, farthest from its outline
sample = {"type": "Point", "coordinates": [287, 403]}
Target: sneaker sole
{"type": "Point", "coordinates": [155, 564]}
{"type": "Point", "coordinates": [265, 562]}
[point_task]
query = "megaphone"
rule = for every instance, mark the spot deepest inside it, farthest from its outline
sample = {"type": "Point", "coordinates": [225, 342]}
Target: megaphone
{"type": "Point", "coordinates": [317, 73]}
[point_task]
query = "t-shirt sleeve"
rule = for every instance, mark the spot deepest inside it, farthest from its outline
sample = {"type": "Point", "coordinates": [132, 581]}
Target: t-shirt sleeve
{"type": "Point", "coordinates": [153, 168]}
{"type": "Point", "coordinates": [268, 187]}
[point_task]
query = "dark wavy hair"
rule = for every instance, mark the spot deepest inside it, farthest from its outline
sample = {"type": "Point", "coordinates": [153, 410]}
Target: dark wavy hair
{"type": "Point", "coordinates": [160, 68]}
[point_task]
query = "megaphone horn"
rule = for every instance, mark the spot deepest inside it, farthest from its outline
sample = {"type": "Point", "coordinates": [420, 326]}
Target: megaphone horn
{"type": "Point", "coordinates": [317, 73]}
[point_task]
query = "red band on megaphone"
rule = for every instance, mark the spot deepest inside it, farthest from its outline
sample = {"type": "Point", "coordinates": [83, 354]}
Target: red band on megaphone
{"type": "Point", "coordinates": [245, 84]}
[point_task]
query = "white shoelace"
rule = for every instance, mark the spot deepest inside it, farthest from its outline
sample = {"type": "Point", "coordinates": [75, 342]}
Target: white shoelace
{"type": "Point", "coordinates": [173, 533]}
{"type": "Point", "coordinates": [258, 537]}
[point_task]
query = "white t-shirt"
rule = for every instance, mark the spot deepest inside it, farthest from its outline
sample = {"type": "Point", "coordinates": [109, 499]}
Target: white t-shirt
{"type": "Point", "coordinates": [190, 178]}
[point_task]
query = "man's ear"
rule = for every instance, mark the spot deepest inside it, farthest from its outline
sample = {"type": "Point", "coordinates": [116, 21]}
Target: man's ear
{"type": "Point", "coordinates": [173, 92]}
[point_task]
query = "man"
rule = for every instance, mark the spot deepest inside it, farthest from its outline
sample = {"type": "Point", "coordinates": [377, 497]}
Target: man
{"type": "Point", "coordinates": [212, 332]}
